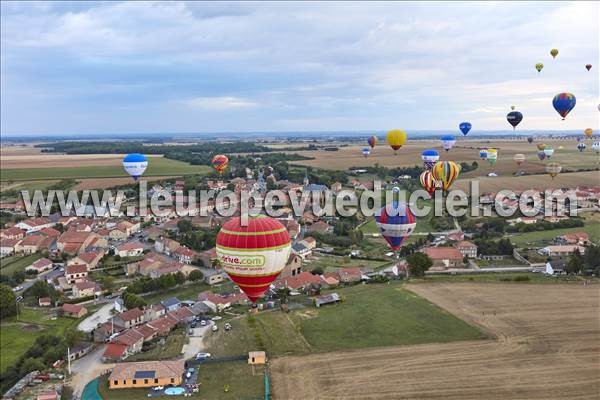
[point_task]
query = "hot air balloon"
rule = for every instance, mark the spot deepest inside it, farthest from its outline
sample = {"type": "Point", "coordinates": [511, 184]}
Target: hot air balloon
{"type": "Point", "coordinates": [539, 67]}
{"type": "Point", "coordinates": [530, 139]}
{"type": "Point", "coordinates": [512, 107]}
{"type": "Point", "coordinates": [427, 182]}
{"type": "Point", "coordinates": [519, 158]}
{"type": "Point", "coordinates": [483, 154]}
{"type": "Point", "coordinates": [541, 155]}
{"type": "Point", "coordinates": [596, 147]}
{"type": "Point", "coordinates": [135, 164]}
{"type": "Point", "coordinates": [366, 151]}
{"type": "Point", "coordinates": [465, 127]}
{"type": "Point", "coordinates": [548, 151]}
{"type": "Point", "coordinates": [563, 103]}
{"type": "Point", "coordinates": [578, 139]}
{"type": "Point", "coordinates": [554, 53]}
{"type": "Point", "coordinates": [445, 172]}
{"type": "Point", "coordinates": [492, 156]}
{"type": "Point", "coordinates": [589, 132]}
{"type": "Point", "coordinates": [372, 141]}
{"type": "Point", "coordinates": [219, 163]}
{"type": "Point", "coordinates": [588, 66]}
{"type": "Point", "coordinates": [581, 146]}
{"type": "Point", "coordinates": [541, 146]}
{"type": "Point", "coordinates": [448, 142]}
{"type": "Point", "coordinates": [429, 157]}
{"type": "Point", "coordinates": [553, 169]}
{"type": "Point", "coordinates": [396, 222]}
{"type": "Point", "coordinates": [253, 255]}
{"type": "Point", "coordinates": [514, 118]}
{"type": "Point", "coordinates": [396, 139]}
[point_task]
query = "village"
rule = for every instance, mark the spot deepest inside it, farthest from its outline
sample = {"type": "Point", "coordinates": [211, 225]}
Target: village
{"type": "Point", "coordinates": [144, 303]}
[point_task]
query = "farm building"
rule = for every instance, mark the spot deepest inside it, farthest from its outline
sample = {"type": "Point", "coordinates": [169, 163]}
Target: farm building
{"type": "Point", "coordinates": [257, 357]}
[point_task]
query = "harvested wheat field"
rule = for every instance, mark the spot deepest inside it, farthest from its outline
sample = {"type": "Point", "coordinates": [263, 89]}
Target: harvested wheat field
{"type": "Point", "coordinates": [53, 160]}
{"type": "Point", "coordinates": [546, 346]}
{"type": "Point", "coordinates": [105, 183]}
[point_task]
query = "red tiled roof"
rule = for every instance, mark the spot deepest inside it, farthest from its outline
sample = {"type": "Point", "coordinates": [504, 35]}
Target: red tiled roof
{"type": "Point", "coordinates": [129, 337]}
{"type": "Point", "coordinates": [131, 315]}
{"type": "Point", "coordinates": [146, 330]}
{"type": "Point", "coordinates": [71, 236]}
{"type": "Point", "coordinates": [465, 243]}
{"type": "Point", "coordinates": [130, 246]}
{"type": "Point", "coordinates": [13, 231]}
{"type": "Point", "coordinates": [72, 308]}
{"type": "Point", "coordinates": [9, 242]}
{"type": "Point", "coordinates": [50, 232]}
{"type": "Point", "coordinates": [443, 253]}
{"type": "Point", "coordinates": [301, 280]}
{"type": "Point", "coordinates": [184, 251]}
{"type": "Point", "coordinates": [75, 269]}
{"type": "Point", "coordinates": [114, 350]}
{"type": "Point", "coordinates": [83, 285]}
{"type": "Point", "coordinates": [33, 240]}
{"type": "Point", "coordinates": [89, 257]}
{"type": "Point", "coordinates": [41, 263]}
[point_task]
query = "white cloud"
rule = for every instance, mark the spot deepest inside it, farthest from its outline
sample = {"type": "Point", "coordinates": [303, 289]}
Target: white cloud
{"type": "Point", "coordinates": [219, 103]}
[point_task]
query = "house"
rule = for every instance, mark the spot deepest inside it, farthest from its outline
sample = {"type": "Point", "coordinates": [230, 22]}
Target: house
{"type": "Point", "coordinates": [152, 233]}
{"type": "Point", "coordinates": [33, 243]}
{"type": "Point", "coordinates": [118, 234]}
{"type": "Point", "coordinates": [467, 249]}
{"type": "Point", "coordinates": [310, 242]}
{"type": "Point", "coordinates": [114, 352]}
{"type": "Point", "coordinates": [154, 311]}
{"type": "Point", "coordinates": [330, 298]}
{"type": "Point", "coordinates": [147, 331]}
{"type": "Point", "coordinates": [50, 232]}
{"type": "Point", "coordinates": [456, 236]}
{"type": "Point", "coordinates": [132, 339]}
{"type": "Point", "coordinates": [349, 275]}
{"type": "Point", "coordinates": [12, 233]}
{"type": "Point", "coordinates": [182, 314]}
{"type": "Point", "coordinates": [331, 279]}
{"type": "Point", "coordinates": [76, 273]}
{"type": "Point", "coordinates": [320, 226]}
{"type": "Point", "coordinates": [184, 255]}
{"type": "Point", "coordinates": [128, 227]}
{"type": "Point", "coordinates": [213, 277]}
{"type": "Point", "coordinates": [90, 259]}
{"type": "Point", "coordinates": [34, 224]}
{"type": "Point", "coordinates": [171, 304]}
{"type": "Point", "coordinates": [131, 249]}
{"type": "Point", "coordinates": [147, 374]}
{"type": "Point", "coordinates": [300, 282]}
{"type": "Point", "coordinates": [39, 266]}
{"type": "Point", "coordinates": [257, 358]}
{"type": "Point", "coordinates": [45, 302]}
{"type": "Point", "coordinates": [166, 246]}
{"type": "Point", "coordinates": [208, 257]}
{"type": "Point", "coordinates": [555, 267]}
{"type": "Point", "coordinates": [48, 395]}
{"type": "Point", "coordinates": [301, 250]}
{"type": "Point", "coordinates": [73, 310]}
{"type": "Point", "coordinates": [561, 250]}
{"type": "Point", "coordinates": [444, 257]}
{"type": "Point", "coordinates": [86, 289]}
{"type": "Point", "coordinates": [74, 242]}
{"type": "Point", "coordinates": [574, 238]}
{"type": "Point", "coordinates": [293, 266]}
{"type": "Point", "coordinates": [105, 331]}
{"type": "Point", "coordinates": [163, 325]}
{"type": "Point", "coordinates": [130, 318]}
{"type": "Point", "coordinates": [8, 246]}
{"type": "Point", "coordinates": [80, 350]}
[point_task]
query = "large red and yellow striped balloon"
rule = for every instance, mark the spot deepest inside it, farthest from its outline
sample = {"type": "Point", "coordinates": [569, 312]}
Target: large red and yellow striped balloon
{"type": "Point", "coordinates": [427, 181]}
{"type": "Point", "coordinates": [253, 255]}
{"type": "Point", "coordinates": [445, 172]}
{"type": "Point", "coordinates": [220, 162]}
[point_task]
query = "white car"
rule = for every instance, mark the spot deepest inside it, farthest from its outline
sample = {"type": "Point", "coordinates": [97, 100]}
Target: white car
{"type": "Point", "coordinates": [158, 388]}
{"type": "Point", "coordinates": [203, 323]}
{"type": "Point", "coordinates": [202, 356]}
{"type": "Point", "coordinates": [17, 289]}
{"type": "Point", "coordinates": [217, 318]}
{"type": "Point", "coordinates": [215, 328]}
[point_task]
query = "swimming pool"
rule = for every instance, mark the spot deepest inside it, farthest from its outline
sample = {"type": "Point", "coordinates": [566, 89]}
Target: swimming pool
{"type": "Point", "coordinates": [174, 391]}
{"type": "Point", "coordinates": [90, 392]}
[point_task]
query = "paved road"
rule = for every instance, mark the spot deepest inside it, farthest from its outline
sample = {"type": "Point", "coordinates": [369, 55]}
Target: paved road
{"type": "Point", "coordinates": [88, 368]}
{"type": "Point", "coordinates": [99, 317]}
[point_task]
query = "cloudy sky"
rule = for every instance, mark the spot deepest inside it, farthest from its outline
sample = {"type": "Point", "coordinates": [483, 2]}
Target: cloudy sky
{"type": "Point", "coordinates": [88, 68]}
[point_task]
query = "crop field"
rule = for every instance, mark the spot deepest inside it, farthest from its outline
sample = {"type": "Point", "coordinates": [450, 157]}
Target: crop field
{"type": "Point", "coordinates": [543, 238]}
{"type": "Point", "coordinates": [546, 346]}
{"type": "Point", "coordinates": [51, 166]}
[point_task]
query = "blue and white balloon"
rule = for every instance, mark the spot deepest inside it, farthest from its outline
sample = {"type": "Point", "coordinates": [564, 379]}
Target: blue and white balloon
{"type": "Point", "coordinates": [430, 157]}
{"type": "Point", "coordinates": [135, 164]}
{"type": "Point", "coordinates": [465, 127]}
{"type": "Point", "coordinates": [448, 142]}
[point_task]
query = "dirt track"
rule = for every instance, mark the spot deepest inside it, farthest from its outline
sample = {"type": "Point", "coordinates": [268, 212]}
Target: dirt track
{"type": "Point", "coordinates": [546, 346]}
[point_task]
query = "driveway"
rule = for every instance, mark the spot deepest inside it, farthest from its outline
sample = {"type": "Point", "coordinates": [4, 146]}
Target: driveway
{"type": "Point", "coordinates": [196, 343]}
{"type": "Point", "coordinates": [99, 317]}
{"type": "Point", "coordinates": [88, 368]}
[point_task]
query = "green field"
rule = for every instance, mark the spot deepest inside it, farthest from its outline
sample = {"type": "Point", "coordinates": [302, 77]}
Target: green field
{"type": "Point", "coordinates": [331, 263]}
{"type": "Point", "coordinates": [157, 166]}
{"type": "Point", "coordinates": [12, 264]}
{"type": "Point", "coordinates": [171, 349]}
{"type": "Point", "coordinates": [15, 339]}
{"type": "Point", "coordinates": [543, 238]}
{"type": "Point", "coordinates": [503, 277]}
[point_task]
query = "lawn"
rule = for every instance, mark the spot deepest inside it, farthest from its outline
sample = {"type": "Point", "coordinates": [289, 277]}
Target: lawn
{"type": "Point", "coordinates": [157, 166]}
{"type": "Point", "coordinates": [12, 264]}
{"type": "Point", "coordinates": [331, 263]}
{"type": "Point", "coordinates": [245, 381]}
{"type": "Point", "coordinates": [14, 340]}
{"type": "Point", "coordinates": [380, 315]}
{"type": "Point", "coordinates": [543, 238]}
{"type": "Point", "coordinates": [170, 349]}
{"type": "Point", "coordinates": [502, 277]}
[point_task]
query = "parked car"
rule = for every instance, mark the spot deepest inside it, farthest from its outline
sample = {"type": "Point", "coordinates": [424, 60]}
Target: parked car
{"type": "Point", "coordinates": [188, 375]}
{"type": "Point", "coordinates": [191, 370]}
{"type": "Point", "coordinates": [216, 318]}
{"type": "Point", "coordinates": [193, 325]}
{"type": "Point", "coordinates": [202, 356]}
{"type": "Point", "coordinates": [215, 328]}
{"type": "Point", "coordinates": [227, 326]}
{"type": "Point", "coordinates": [203, 323]}
{"type": "Point", "coordinates": [18, 288]}
{"type": "Point", "coordinates": [158, 388]}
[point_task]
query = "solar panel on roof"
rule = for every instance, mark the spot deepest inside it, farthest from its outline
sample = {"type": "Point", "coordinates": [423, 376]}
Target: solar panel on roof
{"type": "Point", "coordinates": [144, 374]}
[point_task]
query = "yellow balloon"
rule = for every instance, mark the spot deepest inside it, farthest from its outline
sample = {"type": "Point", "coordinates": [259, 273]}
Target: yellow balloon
{"type": "Point", "coordinates": [554, 53]}
{"type": "Point", "coordinates": [396, 138]}
{"type": "Point", "coordinates": [589, 132]}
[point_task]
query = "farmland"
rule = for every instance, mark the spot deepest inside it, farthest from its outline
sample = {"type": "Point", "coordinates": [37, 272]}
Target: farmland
{"type": "Point", "coordinates": [542, 238]}
{"type": "Point", "coordinates": [546, 339]}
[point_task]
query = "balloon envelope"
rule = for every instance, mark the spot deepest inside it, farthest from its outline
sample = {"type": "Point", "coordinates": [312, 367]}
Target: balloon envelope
{"type": "Point", "coordinates": [465, 127]}
{"type": "Point", "coordinates": [135, 164]}
{"type": "Point", "coordinates": [541, 146]}
{"type": "Point", "coordinates": [548, 151]}
{"type": "Point", "coordinates": [563, 103]}
{"type": "Point", "coordinates": [427, 181]}
{"type": "Point", "coordinates": [581, 146]}
{"type": "Point", "coordinates": [541, 155]}
{"type": "Point", "coordinates": [539, 67]}
{"type": "Point", "coordinates": [530, 139]}
{"type": "Point", "coordinates": [492, 156]}
{"type": "Point", "coordinates": [396, 138]}
{"type": "Point", "coordinates": [366, 151]}
{"type": "Point", "coordinates": [514, 118]}
{"type": "Point", "coordinates": [396, 222]}
{"type": "Point", "coordinates": [554, 53]}
{"type": "Point", "coordinates": [430, 157]}
{"type": "Point", "coordinates": [220, 162]}
{"type": "Point", "coordinates": [519, 158]}
{"type": "Point", "coordinates": [483, 154]}
{"type": "Point", "coordinates": [589, 132]}
{"type": "Point", "coordinates": [445, 172]}
{"type": "Point", "coordinates": [448, 142]}
{"type": "Point", "coordinates": [588, 66]}
{"type": "Point", "coordinates": [596, 147]}
{"type": "Point", "coordinates": [253, 255]}
{"type": "Point", "coordinates": [372, 141]}
{"type": "Point", "coordinates": [553, 169]}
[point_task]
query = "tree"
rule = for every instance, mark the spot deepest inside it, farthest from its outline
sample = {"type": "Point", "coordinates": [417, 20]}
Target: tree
{"type": "Point", "coordinates": [418, 263]}
{"type": "Point", "coordinates": [72, 336]}
{"type": "Point", "coordinates": [8, 303]}
{"type": "Point", "coordinates": [43, 289]}
{"type": "Point", "coordinates": [195, 276]}
{"type": "Point", "coordinates": [185, 226]}
{"type": "Point", "coordinates": [108, 282]}
{"type": "Point", "coordinates": [31, 364]}
{"type": "Point", "coordinates": [131, 300]}
{"type": "Point", "coordinates": [317, 271]}
{"type": "Point", "coordinates": [575, 263]}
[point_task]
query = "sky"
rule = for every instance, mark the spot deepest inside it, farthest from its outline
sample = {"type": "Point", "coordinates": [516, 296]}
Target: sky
{"type": "Point", "coordinates": [132, 67]}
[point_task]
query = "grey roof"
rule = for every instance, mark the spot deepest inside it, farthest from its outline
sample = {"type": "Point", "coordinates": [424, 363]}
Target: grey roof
{"type": "Point", "coordinates": [327, 299]}
{"type": "Point", "coordinates": [299, 247]}
{"type": "Point", "coordinates": [171, 301]}
{"type": "Point", "coordinates": [313, 187]}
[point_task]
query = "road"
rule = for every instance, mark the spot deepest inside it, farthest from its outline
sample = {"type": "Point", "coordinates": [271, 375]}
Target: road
{"type": "Point", "coordinates": [88, 368]}
{"type": "Point", "coordinates": [196, 343]}
{"type": "Point", "coordinates": [99, 317]}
